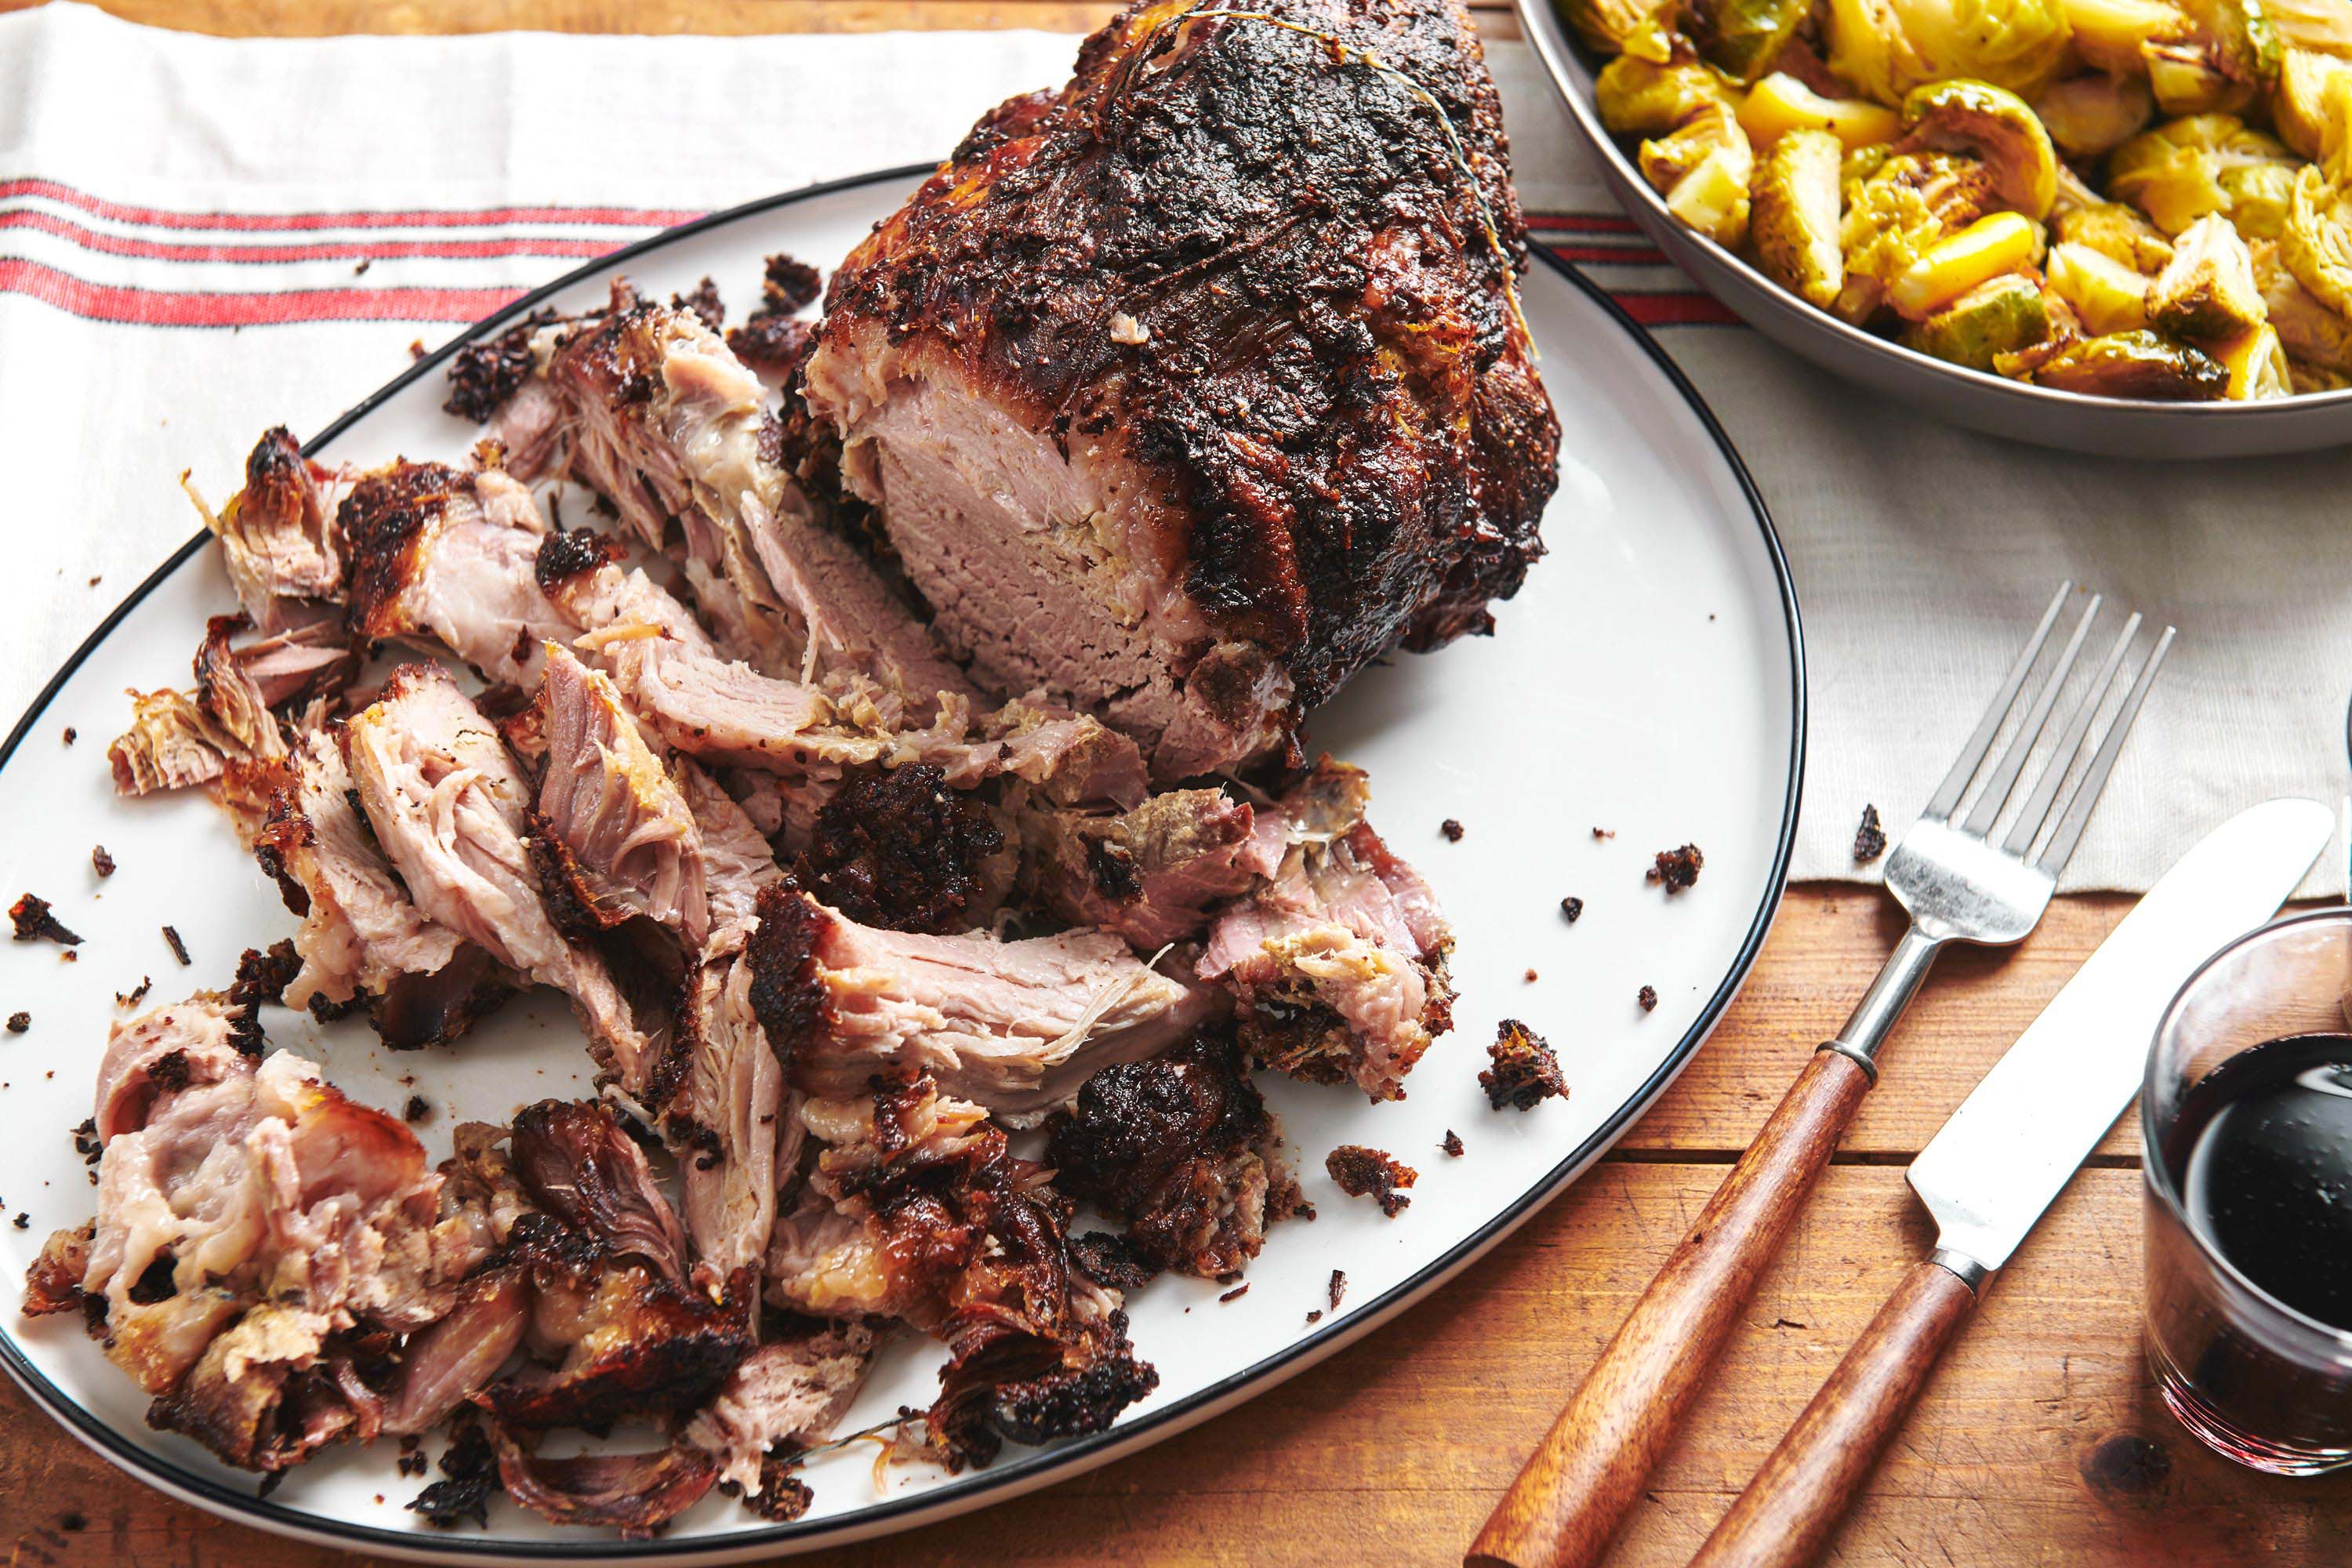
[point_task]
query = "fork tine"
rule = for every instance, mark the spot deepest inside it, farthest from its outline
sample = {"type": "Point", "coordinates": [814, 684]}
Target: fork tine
{"type": "Point", "coordinates": [2036, 812]}
{"type": "Point", "coordinates": [1948, 795]}
{"type": "Point", "coordinates": [2061, 847]}
{"type": "Point", "coordinates": [1998, 788]}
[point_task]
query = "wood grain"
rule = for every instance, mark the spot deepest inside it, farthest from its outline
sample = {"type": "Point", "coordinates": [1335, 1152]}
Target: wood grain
{"type": "Point", "coordinates": [1805, 1485]}
{"type": "Point", "coordinates": [1581, 1481]}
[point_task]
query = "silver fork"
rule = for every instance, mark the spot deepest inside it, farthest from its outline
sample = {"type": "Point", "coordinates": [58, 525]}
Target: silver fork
{"type": "Point", "coordinates": [1961, 878]}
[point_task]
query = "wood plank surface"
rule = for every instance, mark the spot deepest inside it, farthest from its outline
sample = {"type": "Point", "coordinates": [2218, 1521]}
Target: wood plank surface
{"type": "Point", "coordinates": [2040, 1442]}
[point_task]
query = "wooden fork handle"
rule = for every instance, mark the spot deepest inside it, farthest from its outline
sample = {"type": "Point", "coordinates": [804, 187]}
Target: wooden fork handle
{"type": "Point", "coordinates": [1579, 1485]}
{"type": "Point", "coordinates": [1795, 1501]}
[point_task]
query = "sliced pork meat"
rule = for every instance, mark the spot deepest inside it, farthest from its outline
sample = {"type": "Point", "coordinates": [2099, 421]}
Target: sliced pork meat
{"type": "Point", "coordinates": [1153, 874]}
{"type": "Point", "coordinates": [444, 556]}
{"type": "Point", "coordinates": [737, 1139]}
{"type": "Point", "coordinates": [448, 1363]}
{"type": "Point", "coordinates": [1015, 1026]}
{"type": "Point", "coordinates": [223, 1183]}
{"type": "Point", "coordinates": [310, 656]}
{"type": "Point", "coordinates": [1183, 1148]}
{"type": "Point", "coordinates": [171, 743]}
{"type": "Point", "coordinates": [918, 1209]}
{"type": "Point", "coordinates": [1337, 961]}
{"type": "Point", "coordinates": [613, 835]}
{"type": "Point", "coordinates": [449, 806]}
{"type": "Point", "coordinates": [361, 933]}
{"type": "Point", "coordinates": [737, 860]}
{"type": "Point", "coordinates": [1187, 392]}
{"type": "Point", "coordinates": [279, 537]}
{"type": "Point", "coordinates": [232, 699]}
{"type": "Point", "coordinates": [793, 1391]}
{"type": "Point", "coordinates": [266, 1396]}
{"type": "Point", "coordinates": [578, 573]}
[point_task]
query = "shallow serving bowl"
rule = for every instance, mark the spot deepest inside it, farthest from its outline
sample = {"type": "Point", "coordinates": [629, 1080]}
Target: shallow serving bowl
{"type": "Point", "coordinates": [1981, 401]}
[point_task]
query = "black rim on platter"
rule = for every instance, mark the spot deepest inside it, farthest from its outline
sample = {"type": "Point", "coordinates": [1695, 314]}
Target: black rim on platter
{"type": "Point", "coordinates": [1038, 1467]}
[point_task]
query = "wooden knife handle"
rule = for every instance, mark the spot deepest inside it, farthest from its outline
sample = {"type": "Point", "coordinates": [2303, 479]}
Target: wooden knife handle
{"type": "Point", "coordinates": [1795, 1501]}
{"type": "Point", "coordinates": [1579, 1485]}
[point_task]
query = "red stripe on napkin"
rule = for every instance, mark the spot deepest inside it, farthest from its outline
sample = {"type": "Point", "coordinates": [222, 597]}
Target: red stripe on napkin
{"type": "Point", "coordinates": [103, 244]}
{"type": "Point", "coordinates": [413, 218]}
{"type": "Point", "coordinates": [1655, 309]}
{"type": "Point", "coordinates": [1581, 222]}
{"type": "Point", "coordinates": [161, 308]}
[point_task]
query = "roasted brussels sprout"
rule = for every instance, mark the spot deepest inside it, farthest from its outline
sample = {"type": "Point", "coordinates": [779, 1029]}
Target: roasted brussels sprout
{"type": "Point", "coordinates": [2106, 295]}
{"type": "Point", "coordinates": [2107, 35]}
{"type": "Point", "coordinates": [1703, 170]}
{"type": "Point", "coordinates": [1744, 38]}
{"type": "Point", "coordinates": [1995, 245]}
{"type": "Point", "coordinates": [1996, 128]}
{"type": "Point", "coordinates": [2206, 294]}
{"type": "Point", "coordinates": [2091, 116]}
{"type": "Point", "coordinates": [1781, 104]}
{"type": "Point", "coordinates": [2118, 233]}
{"type": "Point", "coordinates": [1886, 47]}
{"type": "Point", "coordinates": [1794, 215]}
{"type": "Point", "coordinates": [2184, 169]}
{"type": "Point", "coordinates": [2005, 316]}
{"type": "Point", "coordinates": [1896, 215]}
{"type": "Point", "coordinates": [2312, 335]}
{"type": "Point", "coordinates": [2257, 364]}
{"type": "Point", "coordinates": [1641, 98]}
{"type": "Point", "coordinates": [2316, 242]}
{"type": "Point", "coordinates": [2312, 100]}
{"type": "Point", "coordinates": [1610, 26]}
{"type": "Point", "coordinates": [2322, 26]}
{"type": "Point", "coordinates": [2136, 364]}
{"type": "Point", "coordinates": [2227, 58]}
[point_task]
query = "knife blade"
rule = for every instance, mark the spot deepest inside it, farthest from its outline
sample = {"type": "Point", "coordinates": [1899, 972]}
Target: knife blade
{"type": "Point", "coordinates": [1992, 1169]}
{"type": "Point", "coordinates": [1997, 1164]}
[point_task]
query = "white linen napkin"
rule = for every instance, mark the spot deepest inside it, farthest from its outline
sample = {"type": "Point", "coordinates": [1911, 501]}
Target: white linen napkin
{"type": "Point", "coordinates": [201, 236]}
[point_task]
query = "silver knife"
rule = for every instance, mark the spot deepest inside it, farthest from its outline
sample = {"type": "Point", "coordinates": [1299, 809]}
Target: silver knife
{"type": "Point", "coordinates": [2003, 1158]}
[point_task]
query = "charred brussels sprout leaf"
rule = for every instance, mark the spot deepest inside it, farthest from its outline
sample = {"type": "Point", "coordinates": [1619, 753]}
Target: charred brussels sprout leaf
{"type": "Point", "coordinates": [2136, 365]}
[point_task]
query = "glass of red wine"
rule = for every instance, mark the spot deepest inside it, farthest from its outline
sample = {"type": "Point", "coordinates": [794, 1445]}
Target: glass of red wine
{"type": "Point", "coordinates": [2248, 1118]}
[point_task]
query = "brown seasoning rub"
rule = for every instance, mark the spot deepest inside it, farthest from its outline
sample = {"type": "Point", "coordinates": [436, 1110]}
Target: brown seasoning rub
{"type": "Point", "coordinates": [1452, 1145]}
{"type": "Point", "coordinates": [34, 921]}
{"type": "Point", "coordinates": [1452, 829]}
{"type": "Point", "coordinates": [769, 340]}
{"type": "Point", "coordinates": [19, 1022]}
{"type": "Point", "coordinates": [1869, 839]}
{"type": "Point", "coordinates": [1330, 381]}
{"type": "Point", "coordinates": [1676, 869]}
{"type": "Point", "coordinates": [1648, 998]}
{"type": "Point", "coordinates": [101, 861]}
{"type": "Point", "coordinates": [484, 374]}
{"type": "Point", "coordinates": [1525, 1072]}
{"type": "Point", "coordinates": [704, 302]}
{"type": "Point", "coordinates": [1573, 907]}
{"type": "Point", "coordinates": [1337, 1287]}
{"type": "Point", "coordinates": [1368, 1173]}
{"type": "Point", "coordinates": [179, 949]}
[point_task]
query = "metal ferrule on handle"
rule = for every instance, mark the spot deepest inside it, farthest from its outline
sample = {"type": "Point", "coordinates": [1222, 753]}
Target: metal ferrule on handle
{"type": "Point", "coordinates": [1873, 1018]}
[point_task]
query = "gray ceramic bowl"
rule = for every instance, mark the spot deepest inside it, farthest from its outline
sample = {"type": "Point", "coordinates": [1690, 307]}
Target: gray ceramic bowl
{"type": "Point", "coordinates": [2105, 425]}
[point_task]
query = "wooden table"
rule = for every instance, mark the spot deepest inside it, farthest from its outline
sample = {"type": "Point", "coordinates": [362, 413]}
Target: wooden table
{"type": "Point", "coordinates": [2040, 1441]}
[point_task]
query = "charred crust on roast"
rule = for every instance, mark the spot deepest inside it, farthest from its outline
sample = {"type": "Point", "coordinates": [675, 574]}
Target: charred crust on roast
{"type": "Point", "coordinates": [1526, 1071]}
{"type": "Point", "coordinates": [1182, 1148]}
{"type": "Point", "coordinates": [772, 344]}
{"type": "Point", "coordinates": [1075, 1400]}
{"type": "Point", "coordinates": [1452, 1145]}
{"type": "Point", "coordinates": [564, 555]}
{"type": "Point", "coordinates": [565, 888]}
{"type": "Point", "coordinates": [901, 850]}
{"type": "Point", "coordinates": [383, 519]}
{"type": "Point", "coordinates": [783, 1497]}
{"type": "Point", "coordinates": [1377, 468]}
{"type": "Point", "coordinates": [53, 1282]}
{"type": "Point", "coordinates": [33, 921]}
{"type": "Point", "coordinates": [787, 283]}
{"type": "Point", "coordinates": [484, 374]}
{"type": "Point", "coordinates": [787, 996]}
{"type": "Point", "coordinates": [1112, 1260]}
{"type": "Point", "coordinates": [179, 948]}
{"type": "Point", "coordinates": [704, 302]}
{"type": "Point", "coordinates": [469, 1479]}
{"type": "Point", "coordinates": [1362, 1172]}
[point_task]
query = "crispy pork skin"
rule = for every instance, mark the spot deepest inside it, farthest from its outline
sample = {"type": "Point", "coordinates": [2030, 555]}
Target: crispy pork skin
{"type": "Point", "coordinates": [446, 555]}
{"type": "Point", "coordinates": [1337, 962]}
{"type": "Point", "coordinates": [1015, 1026]}
{"type": "Point", "coordinates": [1189, 390]}
{"type": "Point", "coordinates": [1183, 1148]}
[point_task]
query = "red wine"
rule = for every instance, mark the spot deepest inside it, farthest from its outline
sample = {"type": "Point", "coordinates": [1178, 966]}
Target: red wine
{"type": "Point", "coordinates": [2262, 1150]}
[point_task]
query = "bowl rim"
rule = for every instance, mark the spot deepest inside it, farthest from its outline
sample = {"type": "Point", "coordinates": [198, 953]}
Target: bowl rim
{"type": "Point", "coordinates": [1559, 54]}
